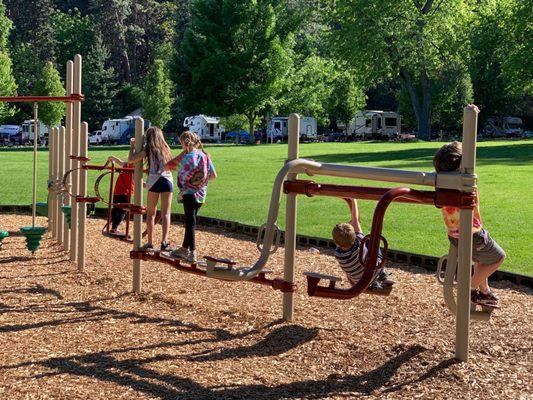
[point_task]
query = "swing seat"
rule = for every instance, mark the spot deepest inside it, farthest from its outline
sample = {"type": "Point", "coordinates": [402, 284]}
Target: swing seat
{"type": "Point", "coordinates": [91, 200]}
{"type": "Point", "coordinates": [313, 279]}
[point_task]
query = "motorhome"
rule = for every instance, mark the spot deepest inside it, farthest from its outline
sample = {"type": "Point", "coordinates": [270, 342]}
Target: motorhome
{"type": "Point", "coordinates": [375, 124]}
{"type": "Point", "coordinates": [11, 135]}
{"type": "Point", "coordinates": [503, 127]}
{"type": "Point", "coordinates": [27, 132]}
{"type": "Point", "coordinates": [207, 128]}
{"type": "Point", "coordinates": [277, 128]}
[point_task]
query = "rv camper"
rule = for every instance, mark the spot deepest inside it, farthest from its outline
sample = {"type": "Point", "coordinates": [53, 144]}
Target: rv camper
{"type": "Point", "coordinates": [11, 135]}
{"type": "Point", "coordinates": [207, 128]}
{"type": "Point", "coordinates": [503, 127]}
{"type": "Point", "coordinates": [27, 132]}
{"type": "Point", "coordinates": [120, 130]}
{"type": "Point", "coordinates": [373, 124]}
{"type": "Point", "coordinates": [277, 128]}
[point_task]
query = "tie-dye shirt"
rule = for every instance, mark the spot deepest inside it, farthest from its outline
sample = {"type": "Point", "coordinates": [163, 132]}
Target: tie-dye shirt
{"type": "Point", "coordinates": [194, 170]}
{"type": "Point", "coordinates": [451, 219]}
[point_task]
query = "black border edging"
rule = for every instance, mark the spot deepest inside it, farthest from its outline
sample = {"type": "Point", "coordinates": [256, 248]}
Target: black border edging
{"type": "Point", "coordinates": [421, 260]}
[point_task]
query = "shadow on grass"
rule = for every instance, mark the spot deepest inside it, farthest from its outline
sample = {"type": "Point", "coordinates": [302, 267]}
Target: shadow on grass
{"type": "Point", "coordinates": [517, 154]}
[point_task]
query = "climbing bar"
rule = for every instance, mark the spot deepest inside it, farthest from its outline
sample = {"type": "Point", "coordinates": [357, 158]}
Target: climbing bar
{"type": "Point", "coordinates": [39, 99]}
{"type": "Point", "coordinates": [438, 198]}
{"type": "Point", "coordinates": [80, 158]}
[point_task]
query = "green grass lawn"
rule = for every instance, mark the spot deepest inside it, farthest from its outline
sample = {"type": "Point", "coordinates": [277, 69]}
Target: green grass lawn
{"type": "Point", "coordinates": [246, 173]}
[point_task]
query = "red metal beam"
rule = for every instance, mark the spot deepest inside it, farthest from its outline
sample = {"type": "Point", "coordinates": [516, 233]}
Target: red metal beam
{"type": "Point", "coordinates": [42, 99]}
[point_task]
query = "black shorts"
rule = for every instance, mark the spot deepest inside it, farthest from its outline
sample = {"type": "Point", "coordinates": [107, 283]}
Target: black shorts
{"type": "Point", "coordinates": [485, 250]}
{"type": "Point", "coordinates": [162, 185]}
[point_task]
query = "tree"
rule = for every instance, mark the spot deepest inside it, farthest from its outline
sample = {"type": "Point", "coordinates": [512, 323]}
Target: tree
{"type": "Point", "coordinates": [157, 97]}
{"type": "Point", "coordinates": [50, 84]}
{"type": "Point", "coordinates": [74, 34]}
{"type": "Point", "coordinates": [112, 15]}
{"type": "Point", "coordinates": [346, 97]}
{"type": "Point", "coordinates": [410, 39]}
{"type": "Point", "coordinates": [8, 85]}
{"type": "Point", "coordinates": [235, 57]}
{"type": "Point", "coordinates": [99, 85]}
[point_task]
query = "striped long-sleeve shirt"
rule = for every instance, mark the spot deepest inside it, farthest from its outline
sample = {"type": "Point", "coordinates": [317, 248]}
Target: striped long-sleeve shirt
{"type": "Point", "coordinates": [349, 260]}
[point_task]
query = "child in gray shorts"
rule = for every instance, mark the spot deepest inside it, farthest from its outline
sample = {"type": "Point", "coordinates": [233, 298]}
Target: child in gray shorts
{"type": "Point", "coordinates": [486, 253]}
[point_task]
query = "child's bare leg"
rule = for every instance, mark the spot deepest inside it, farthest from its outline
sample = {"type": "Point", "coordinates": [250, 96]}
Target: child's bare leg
{"type": "Point", "coordinates": [166, 202]}
{"type": "Point", "coordinates": [482, 273]}
{"type": "Point", "coordinates": [151, 205]}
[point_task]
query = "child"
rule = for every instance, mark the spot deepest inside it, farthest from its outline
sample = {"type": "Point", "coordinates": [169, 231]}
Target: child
{"type": "Point", "coordinates": [122, 194]}
{"type": "Point", "coordinates": [486, 253]}
{"type": "Point", "coordinates": [348, 239]}
{"type": "Point", "coordinates": [195, 169]}
{"type": "Point", "coordinates": [156, 153]}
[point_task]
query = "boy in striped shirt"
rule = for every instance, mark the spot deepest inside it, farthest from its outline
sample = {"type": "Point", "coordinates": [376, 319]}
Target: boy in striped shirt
{"type": "Point", "coordinates": [348, 239]}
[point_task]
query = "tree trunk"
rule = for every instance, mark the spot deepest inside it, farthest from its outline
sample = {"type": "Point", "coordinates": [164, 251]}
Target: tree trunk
{"type": "Point", "coordinates": [251, 120]}
{"type": "Point", "coordinates": [421, 106]}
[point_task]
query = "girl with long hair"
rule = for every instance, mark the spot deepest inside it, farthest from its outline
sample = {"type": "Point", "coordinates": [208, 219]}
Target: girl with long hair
{"type": "Point", "coordinates": [156, 154]}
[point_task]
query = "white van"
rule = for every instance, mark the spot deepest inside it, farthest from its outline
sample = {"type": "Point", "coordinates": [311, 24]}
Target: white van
{"type": "Point", "coordinates": [11, 135]}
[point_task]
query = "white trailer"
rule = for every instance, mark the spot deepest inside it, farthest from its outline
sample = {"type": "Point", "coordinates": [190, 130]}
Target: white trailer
{"type": "Point", "coordinates": [207, 128]}
{"type": "Point", "coordinates": [503, 127]}
{"type": "Point", "coordinates": [27, 131]}
{"type": "Point", "coordinates": [375, 124]}
{"type": "Point", "coordinates": [277, 128]}
{"type": "Point", "coordinates": [11, 134]}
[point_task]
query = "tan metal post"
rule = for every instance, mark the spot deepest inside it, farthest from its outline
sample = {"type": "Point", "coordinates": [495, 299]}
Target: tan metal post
{"type": "Point", "coordinates": [58, 236]}
{"type": "Point", "coordinates": [290, 219]}
{"type": "Point", "coordinates": [138, 200]}
{"type": "Point", "coordinates": [51, 177]}
{"type": "Point", "coordinates": [75, 151]}
{"type": "Point", "coordinates": [468, 162]}
{"type": "Point", "coordinates": [65, 165]}
{"type": "Point", "coordinates": [68, 199]}
{"type": "Point", "coordinates": [35, 140]}
{"type": "Point", "coordinates": [82, 216]}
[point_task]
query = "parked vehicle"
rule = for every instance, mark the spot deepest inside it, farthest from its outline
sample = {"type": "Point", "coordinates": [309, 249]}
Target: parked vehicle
{"type": "Point", "coordinates": [375, 124]}
{"type": "Point", "coordinates": [120, 130]}
{"type": "Point", "coordinates": [207, 128]}
{"type": "Point", "coordinates": [503, 127]}
{"type": "Point", "coordinates": [27, 132]}
{"type": "Point", "coordinates": [97, 137]}
{"type": "Point", "coordinates": [277, 128]}
{"type": "Point", "coordinates": [10, 135]}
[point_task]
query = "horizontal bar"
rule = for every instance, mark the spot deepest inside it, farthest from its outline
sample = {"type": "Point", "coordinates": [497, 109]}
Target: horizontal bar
{"type": "Point", "coordinates": [42, 99]}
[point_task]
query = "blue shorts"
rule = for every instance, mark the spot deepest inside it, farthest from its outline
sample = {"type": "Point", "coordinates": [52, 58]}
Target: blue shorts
{"type": "Point", "coordinates": [162, 185]}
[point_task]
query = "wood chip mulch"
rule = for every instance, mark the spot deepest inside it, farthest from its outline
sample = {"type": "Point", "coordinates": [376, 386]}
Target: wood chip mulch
{"type": "Point", "coordinates": [70, 335]}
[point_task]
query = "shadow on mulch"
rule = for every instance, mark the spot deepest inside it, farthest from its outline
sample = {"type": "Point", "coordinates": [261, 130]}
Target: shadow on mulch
{"type": "Point", "coordinates": [36, 275]}
{"type": "Point", "coordinates": [133, 374]}
{"type": "Point", "coordinates": [11, 259]}
{"type": "Point", "coordinates": [37, 289]}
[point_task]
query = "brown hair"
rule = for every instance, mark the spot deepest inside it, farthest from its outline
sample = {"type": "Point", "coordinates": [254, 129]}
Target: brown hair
{"type": "Point", "coordinates": [156, 148]}
{"type": "Point", "coordinates": [448, 157]}
{"type": "Point", "coordinates": [343, 235]}
{"type": "Point", "coordinates": [191, 139]}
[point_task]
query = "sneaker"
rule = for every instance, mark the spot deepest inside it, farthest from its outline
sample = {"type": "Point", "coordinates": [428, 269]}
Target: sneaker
{"type": "Point", "coordinates": [376, 285]}
{"type": "Point", "coordinates": [182, 252]}
{"type": "Point", "coordinates": [482, 299]}
{"type": "Point", "coordinates": [489, 295]}
{"type": "Point", "coordinates": [147, 247]}
{"type": "Point", "coordinates": [165, 246]}
{"type": "Point", "coordinates": [192, 257]}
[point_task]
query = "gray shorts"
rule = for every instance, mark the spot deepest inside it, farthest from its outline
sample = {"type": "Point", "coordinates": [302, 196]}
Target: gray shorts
{"type": "Point", "coordinates": [485, 250]}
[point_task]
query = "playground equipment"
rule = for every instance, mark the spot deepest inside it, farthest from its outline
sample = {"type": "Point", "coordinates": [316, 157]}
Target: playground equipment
{"type": "Point", "coordinates": [3, 235]}
{"type": "Point", "coordinates": [62, 142]}
{"type": "Point", "coordinates": [451, 189]}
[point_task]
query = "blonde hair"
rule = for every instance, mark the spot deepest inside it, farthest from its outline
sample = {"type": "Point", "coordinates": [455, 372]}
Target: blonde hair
{"type": "Point", "coordinates": [448, 157]}
{"type": "Point", "coordinates": [343, 235]}
{"type": "Point", "coordinates": [156, 148]}
{"type": "Point", "coordinates": [191, 140]}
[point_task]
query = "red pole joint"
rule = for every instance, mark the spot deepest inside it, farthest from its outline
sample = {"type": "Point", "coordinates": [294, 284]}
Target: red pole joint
{"type": "Point", "coordinates": [283, 286]}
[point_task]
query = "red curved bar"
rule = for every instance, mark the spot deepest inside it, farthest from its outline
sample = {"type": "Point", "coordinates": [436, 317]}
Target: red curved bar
{"type": "Point", "coordinates": [81, 199]}
{"type": "Point", "coordinates": [43, 99]}
{"type": "Point", "coordinates": [370, 265]}
{"type": "Point", "coordinates": [80, 158]}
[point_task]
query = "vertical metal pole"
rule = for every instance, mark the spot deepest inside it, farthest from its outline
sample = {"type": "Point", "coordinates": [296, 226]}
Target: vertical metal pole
{"type": "Point", "coordinates": [138, 200]}
{"type": "Point", "coordinates": [68, 200]}
{"type": "Point", "coordinates": [82, 216]}
{"type": "Point", "coordinates": [57, 176]}
{"type": "Point", "coordinates": [35, 139]}
{"type": "Point", "coordinates": [290, 219]}
{"type": "Point", "coordinates": [51, 173]}
{"type": "Point", "coordinates": [49, 197]}
{"type": "Point", "coordinates": [75, 150]}
{"type": "Point", "coordinates": [468, 162]}
{"type": "Point", "coordinates": [61, 224]}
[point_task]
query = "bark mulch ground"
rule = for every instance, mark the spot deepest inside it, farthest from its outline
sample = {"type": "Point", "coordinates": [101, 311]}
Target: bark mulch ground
{"type": "Point", "coordinates": [70, 335]}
